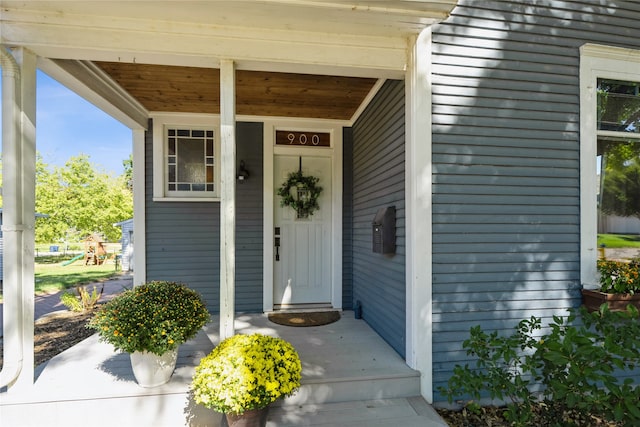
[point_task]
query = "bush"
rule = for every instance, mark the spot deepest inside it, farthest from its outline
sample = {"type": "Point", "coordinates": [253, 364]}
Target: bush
{"type": "Point", "coordinates": [155, 317]}
{"type": "Point", "coordinates": [246, 372]}
{"type": "Point", "coordinates": [84, 301]}
{"type": "Point", "coordinates": [619, 277]}
{"type": "Point", "coordinates": [575, 367]}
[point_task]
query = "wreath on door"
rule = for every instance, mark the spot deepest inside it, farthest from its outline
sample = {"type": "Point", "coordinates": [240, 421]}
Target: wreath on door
{"type": "Point", "coordinates": [304, 200]}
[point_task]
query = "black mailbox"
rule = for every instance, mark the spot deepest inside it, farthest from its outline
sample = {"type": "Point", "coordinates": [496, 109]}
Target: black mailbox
{"type": "Point", "coordinates": [384, 231]}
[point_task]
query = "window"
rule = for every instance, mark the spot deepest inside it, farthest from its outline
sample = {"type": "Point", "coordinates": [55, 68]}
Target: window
{"type": "Point", "coordinates": [610, 149]}
{"type": "Point", "coordinates": [618, 156]}
{"type": "Point", "coordinates": [186, 155]}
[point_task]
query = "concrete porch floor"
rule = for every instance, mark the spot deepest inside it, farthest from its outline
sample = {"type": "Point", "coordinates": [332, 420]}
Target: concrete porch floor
{"type": "Point", "coordinates": [351, 377]}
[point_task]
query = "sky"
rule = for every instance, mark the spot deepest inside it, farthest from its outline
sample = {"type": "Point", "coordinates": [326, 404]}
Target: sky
{"type": "Point", "coordinates": [67, 126]}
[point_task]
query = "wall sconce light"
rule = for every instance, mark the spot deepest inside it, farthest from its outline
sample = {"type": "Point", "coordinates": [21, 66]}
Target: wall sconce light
{"type": "Point", "coordinates": [243, 174]}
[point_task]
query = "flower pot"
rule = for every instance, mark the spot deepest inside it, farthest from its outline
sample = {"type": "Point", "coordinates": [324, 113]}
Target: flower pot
{"type": "Point", "coordinates": [152, 370]}
{"type": "Point", "coordinates": [592, 300]}
{"type": "Point", "coordinates": [251, 418]}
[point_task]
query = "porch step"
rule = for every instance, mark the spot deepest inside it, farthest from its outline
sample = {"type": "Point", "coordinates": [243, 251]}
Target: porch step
{"type": "Point", "coordinates": [350, 388]}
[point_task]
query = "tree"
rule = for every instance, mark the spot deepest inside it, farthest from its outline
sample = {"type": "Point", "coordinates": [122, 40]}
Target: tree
{"type": "Point", "coordinates": [80, 201]}
{"type": "Point", "coordinates": [621, 190]}
{"type": "Point", "coordinates": [128, 171]}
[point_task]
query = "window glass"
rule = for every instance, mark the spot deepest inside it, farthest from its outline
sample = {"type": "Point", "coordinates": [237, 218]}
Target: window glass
{"type": "Point", "coordinates": [618, 106]}
{"type": "Point", "coordinates": [190, 161]}
{"type": "Point", "coordinates": [618, 157]}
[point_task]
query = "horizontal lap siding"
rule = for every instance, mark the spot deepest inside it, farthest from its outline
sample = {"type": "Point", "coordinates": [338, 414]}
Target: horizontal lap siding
{"type": "Point", "coordinates": [249, 228]}
{"type": "Point", "coordinates": [506, 237]}
{"type": "Point", "coordinates": [183, 238]}
{"type": "Point", "coordinates": [378, 182]}
{"type": "Point", "coordinates": [347, 215]}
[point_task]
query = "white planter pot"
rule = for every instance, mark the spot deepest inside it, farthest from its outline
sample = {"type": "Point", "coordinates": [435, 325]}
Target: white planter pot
{"type": "Point", "coordinates": [152, 370]}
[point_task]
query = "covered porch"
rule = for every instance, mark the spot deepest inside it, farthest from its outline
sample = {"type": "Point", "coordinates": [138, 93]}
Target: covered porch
{"type": "Point", "coordinates": [350, 377]}
{"type": "Point", "coordinates": [319, 61]}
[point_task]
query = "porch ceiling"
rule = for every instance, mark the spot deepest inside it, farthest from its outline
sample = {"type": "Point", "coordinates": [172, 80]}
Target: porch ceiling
{"type": "Point", "coordinates": [295, 58]}
{"type": "Point", "coordinates": [161, 88]}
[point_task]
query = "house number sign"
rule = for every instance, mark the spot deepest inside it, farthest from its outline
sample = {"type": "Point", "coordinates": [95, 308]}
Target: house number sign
{"type": "Point", "coordinates": [303, 139]}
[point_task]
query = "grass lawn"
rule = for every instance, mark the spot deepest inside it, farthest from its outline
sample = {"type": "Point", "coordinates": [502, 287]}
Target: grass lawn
{"type": "Point", "coordinates": [619, 240]}
{"type": "Point", "coordinates": [56, 277]}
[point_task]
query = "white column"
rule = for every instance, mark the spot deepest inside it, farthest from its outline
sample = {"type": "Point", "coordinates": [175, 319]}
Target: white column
{"type": "Point", "coordinates": [139, 214]}
{"type": "Point", "coordinates": [227, 198]}
{"type": "Point", "coordinates": [419, 210]}
{"type": "Point", "coordinates": [18, 166]}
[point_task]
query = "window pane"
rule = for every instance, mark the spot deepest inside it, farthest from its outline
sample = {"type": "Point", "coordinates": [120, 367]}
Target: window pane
{"type": "Point", "coordinates": [191, 161]}
{"type": "Point", "coordinates": [618, 168]}
{"type": "Point", "coordinates": [618, 106]}
{"type": "Point", "coordinates": [618, 159]}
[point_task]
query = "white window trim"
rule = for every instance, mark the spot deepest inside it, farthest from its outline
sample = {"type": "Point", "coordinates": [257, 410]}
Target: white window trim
{"type": "Point", "coordinates": [596, 61]}
{"type": "Point", "coordinates": [160, 122]}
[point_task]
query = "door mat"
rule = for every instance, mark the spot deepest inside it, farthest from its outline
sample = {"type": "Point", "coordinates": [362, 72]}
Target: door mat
{"type": "Point", "coordinates": [317, 318]}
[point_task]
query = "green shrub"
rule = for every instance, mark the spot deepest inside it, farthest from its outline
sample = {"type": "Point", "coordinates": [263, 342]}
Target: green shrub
{"type": "Point", "coordinates": [571, 373]}
{"type": "Point", "coordinates": [155, 317]}
{"type": "Point", "coordinates": [619, 277]}
{"type": "Point", "coordinates": [71, 301]}
{"type": "Point", "coordinates": [83, 301]}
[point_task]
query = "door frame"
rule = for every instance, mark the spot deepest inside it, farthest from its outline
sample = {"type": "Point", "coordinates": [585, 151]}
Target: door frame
{"type": "Point", "coordinates": [335, 154]}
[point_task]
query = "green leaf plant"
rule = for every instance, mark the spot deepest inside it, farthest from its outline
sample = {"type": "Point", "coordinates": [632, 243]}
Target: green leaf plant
{"type": "Point", "coordinates": [580, 371]}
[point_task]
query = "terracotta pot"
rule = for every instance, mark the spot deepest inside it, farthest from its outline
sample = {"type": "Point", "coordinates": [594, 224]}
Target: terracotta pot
{"type": "Point", "coordinates": [251, 418]}
{"type": "Point", "coordinates": [152, 370]}
{"type": "Point", "coordinates": [592, 300]}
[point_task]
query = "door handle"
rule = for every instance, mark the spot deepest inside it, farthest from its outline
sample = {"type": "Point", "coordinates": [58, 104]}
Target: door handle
{"type": "Point", "coordinates": [277, 243]}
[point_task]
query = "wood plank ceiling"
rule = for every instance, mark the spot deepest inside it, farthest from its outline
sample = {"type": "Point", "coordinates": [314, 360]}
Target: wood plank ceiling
{"type": "Point", "coordinates": [161, 88]}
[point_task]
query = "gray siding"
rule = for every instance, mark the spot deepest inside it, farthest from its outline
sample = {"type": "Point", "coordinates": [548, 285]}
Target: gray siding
{"type": "Point", "coordinates": [183, 238]}
{"type": "Point", "coordinates": [126, 244]}
{"type": "Point", "coordinates": [347, 215]}
{"type": "Point", "coordinates": [378, 182]}
{"type": "Point", "coordinates": [249, 229]}
{"type": "Point", "coordinates": [506, 167]}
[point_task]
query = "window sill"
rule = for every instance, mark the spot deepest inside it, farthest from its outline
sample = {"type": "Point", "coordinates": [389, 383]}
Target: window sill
{"type": "Point", "coordinates": [186, 199]}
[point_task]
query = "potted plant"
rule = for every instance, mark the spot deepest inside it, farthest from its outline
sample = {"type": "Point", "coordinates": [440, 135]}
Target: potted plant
{"type": "Point", "coordinates": [244, 374]}
{"type": "Point", "coordinates": [619, 286]}
{"type": "Point", "coordinates": [149, 322]}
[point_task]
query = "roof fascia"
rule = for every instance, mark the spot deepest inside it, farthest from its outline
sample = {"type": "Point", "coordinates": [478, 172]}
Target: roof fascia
{"type": "Point", "coordinates": [94, 85]}
{"type": "Point", "coordinates": [148, 41]}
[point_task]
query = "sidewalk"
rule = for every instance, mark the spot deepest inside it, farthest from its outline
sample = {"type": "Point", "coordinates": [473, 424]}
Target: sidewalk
{"type": "Point", "coordinates": [48, 303]}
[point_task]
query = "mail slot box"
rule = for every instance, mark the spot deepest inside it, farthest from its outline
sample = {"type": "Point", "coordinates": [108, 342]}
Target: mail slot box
{"type": "Point", "coordinates": [384, 231]}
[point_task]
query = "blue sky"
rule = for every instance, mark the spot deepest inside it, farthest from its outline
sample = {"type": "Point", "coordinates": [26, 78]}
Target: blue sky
{"type": "Point", "coordinates": [67, 126]}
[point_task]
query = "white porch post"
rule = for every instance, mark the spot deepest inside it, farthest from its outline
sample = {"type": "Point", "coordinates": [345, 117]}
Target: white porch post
{"type": "Point", "coordinates": [139, 210]}
{"type": "Point", "coordinates": [227, 198]}
{"type": "Point", "coordinates": [419, 211]}
{"type": "Point", "coordinates": [18, 166]}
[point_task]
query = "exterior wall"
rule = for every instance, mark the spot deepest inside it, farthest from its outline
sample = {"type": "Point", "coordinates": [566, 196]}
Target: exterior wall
{"type": "Point", "coordinates": [506, 237]}
{"type": "Point", "coordinates": [347, 215]}
{"type": "Point", "coordinates": [126, 242]}
{"type": "Point", "coordinates": [249, 229]}
{"type": "Point", "coordinates": [378, 182]}
{"type": "Point", "coordinates": [183, 238]}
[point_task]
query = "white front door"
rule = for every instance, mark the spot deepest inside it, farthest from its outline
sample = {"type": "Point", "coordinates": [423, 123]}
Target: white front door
{"type": "Point", "coordinates": [302, 265]}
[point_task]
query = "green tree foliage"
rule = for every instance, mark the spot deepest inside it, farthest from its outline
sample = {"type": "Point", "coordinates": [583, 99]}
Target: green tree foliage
{"type": "Point", "coordinates": [128, 171]}
{"type": "Point", "coordinates": [621, 190]}
{"type": "Point", "coordinates": [79, 200]}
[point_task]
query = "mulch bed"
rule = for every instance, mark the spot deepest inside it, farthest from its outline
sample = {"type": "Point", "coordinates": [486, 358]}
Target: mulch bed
{"type": "Point", "coordinates": [56, 332]}
{"type": "Point", "coordinates": [491, 416]}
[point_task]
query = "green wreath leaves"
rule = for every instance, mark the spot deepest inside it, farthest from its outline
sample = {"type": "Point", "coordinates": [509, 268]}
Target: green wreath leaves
{"type": "Point", "coordinates": [304, 206]}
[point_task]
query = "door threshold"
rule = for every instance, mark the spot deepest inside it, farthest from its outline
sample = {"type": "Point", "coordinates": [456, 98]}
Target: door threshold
{"type": "Point", "coordinates": [302, 307]}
